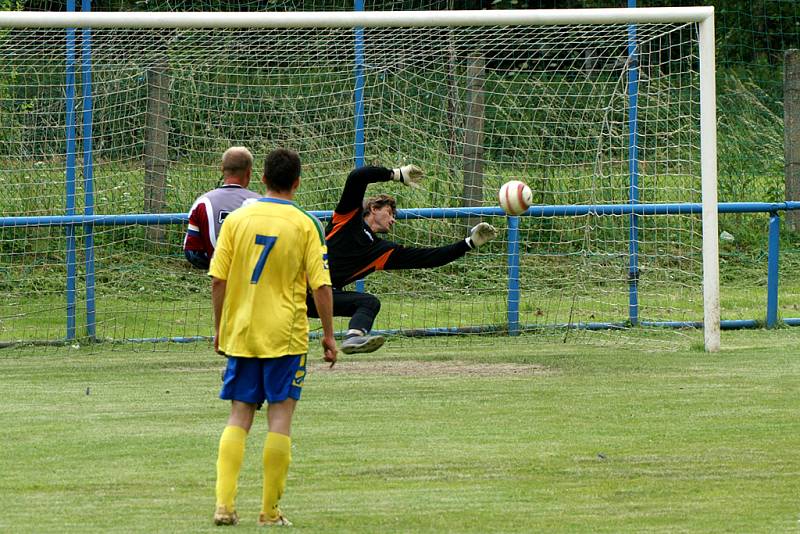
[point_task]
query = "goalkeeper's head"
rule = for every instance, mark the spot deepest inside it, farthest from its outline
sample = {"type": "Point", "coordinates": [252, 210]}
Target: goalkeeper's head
{"type": "Point", "coordinates": [380, 212]}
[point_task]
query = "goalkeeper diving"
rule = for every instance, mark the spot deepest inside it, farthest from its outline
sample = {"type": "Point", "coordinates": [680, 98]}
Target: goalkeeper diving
{"type": "Point", "coordinates": [355, 250]}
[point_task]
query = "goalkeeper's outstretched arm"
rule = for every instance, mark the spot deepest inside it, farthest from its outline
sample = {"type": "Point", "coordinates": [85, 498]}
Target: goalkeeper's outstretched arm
{"type": "Point", "coordinates": [356, 186]}
{"type": "Point", "coordinates": [422, 258]}
{"type": "Point", "coordinates": [357, 181]}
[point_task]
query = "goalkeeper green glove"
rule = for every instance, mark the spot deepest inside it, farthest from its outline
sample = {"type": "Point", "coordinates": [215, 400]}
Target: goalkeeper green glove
{"type": "Point", "coordinates": [409, 175]}
{"type": "Point", "coordinates": [480, 234]}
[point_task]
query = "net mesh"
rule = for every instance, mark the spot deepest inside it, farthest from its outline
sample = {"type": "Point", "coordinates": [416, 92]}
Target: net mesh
{"type": "Point", "coordinates": [473, 106]}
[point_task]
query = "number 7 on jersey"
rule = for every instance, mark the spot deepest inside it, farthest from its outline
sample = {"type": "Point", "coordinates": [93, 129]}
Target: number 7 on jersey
{"type": "Point", "coordinates": [267, 241]}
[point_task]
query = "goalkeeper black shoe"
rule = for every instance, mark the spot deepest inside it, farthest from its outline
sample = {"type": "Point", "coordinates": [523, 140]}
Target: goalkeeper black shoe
{"type": "Point", "coordinates": [355, 344]}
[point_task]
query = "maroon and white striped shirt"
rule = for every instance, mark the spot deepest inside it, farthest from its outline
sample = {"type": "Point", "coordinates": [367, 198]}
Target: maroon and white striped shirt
{"type": "Point", "coordinates": [207, 214]}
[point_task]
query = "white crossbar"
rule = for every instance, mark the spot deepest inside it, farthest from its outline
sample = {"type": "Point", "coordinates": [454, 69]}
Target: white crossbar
{"type": "Point", "coordinates": [338, 19]}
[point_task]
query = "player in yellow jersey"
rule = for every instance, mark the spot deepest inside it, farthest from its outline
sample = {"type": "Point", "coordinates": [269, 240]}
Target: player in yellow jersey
{"type": "Point", "coordinates": [268, 253]}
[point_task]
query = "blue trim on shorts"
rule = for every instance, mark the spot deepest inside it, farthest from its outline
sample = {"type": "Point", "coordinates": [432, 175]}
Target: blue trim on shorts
{"type": "Point", "coordinates": [255, 380]}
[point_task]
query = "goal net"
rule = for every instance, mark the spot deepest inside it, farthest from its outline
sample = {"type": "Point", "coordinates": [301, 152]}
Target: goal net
{"type": "Point", "coordinates": [600, 120]}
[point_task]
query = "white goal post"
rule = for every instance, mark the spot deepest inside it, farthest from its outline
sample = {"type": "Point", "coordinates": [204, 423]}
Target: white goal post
{"type": "Point", "coordinates": [703, 17]}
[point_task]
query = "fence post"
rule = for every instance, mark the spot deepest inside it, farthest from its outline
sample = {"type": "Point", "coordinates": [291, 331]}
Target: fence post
{"type": "Point", "coordinates": [156, 148]}
{"type": "Point", "coordinates": [633, 171]}
{"type": "Point", "coordinates": [358, 102]}
{"type": "Point", "coordinates": [71, 144]}
{"type": "Point", "coordinates": [513, 276]}
{"type": "Point", "coordinates": [772, 269]}
{"type": "Point", "coordinates": [88, 171]}
{"type": "Point", "coordinates": [473, 136]}
{"type": "Point", "coordinates": [791, 133]}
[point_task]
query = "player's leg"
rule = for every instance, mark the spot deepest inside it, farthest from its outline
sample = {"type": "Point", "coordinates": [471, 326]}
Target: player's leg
{"type": "Point", "coordinates": [229, 461]}
{"type": "Point", "coordinates": [283, 384]}
{"type": "Point", "coordinates": [276, 459]}
{"type": "Point", "coordinates": [241, 385]}
{"type": "Point", "coordinates": [362, 308]}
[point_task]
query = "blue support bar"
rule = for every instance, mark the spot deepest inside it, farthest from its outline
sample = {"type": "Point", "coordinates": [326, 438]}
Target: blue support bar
{"type": "Point", "coordinates": [421, 213]}
{"type": "Point", "coordinates": [88, 172]}
{"type": "Point", "coordinates": [772, 269]}
{"type": "Point", "coordinates": [513, 276]}
{"type": "Point", "coordinates": [69, 103]}
{"type": "Point", "coordinates": [96, 220]}
{"type": "Point", "coordinates": [358, 101]}
{"type": "Point", "coordinates": [449, 331]}
{"type": "Point", "coordinates": [633, 171]}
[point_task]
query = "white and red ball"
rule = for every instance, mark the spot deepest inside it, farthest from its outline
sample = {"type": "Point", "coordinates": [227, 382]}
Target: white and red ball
{"type": "Point", "coordinates": [515, 197]}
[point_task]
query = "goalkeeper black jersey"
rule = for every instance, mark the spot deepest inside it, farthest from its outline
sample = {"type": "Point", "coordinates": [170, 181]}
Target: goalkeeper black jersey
{"type": "Point", "coordinates": [354, 250]}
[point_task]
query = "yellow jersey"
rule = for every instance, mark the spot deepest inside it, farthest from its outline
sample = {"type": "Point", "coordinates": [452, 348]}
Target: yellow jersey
{"type": "Point", "coordinates": [268, 251]}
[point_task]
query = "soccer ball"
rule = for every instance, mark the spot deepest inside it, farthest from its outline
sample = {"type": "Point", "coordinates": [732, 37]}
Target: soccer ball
{"type": "Point", "coordinates": [515, 197]}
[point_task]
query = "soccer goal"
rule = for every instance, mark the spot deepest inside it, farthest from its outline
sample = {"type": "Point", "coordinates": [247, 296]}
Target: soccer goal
{"type": "Point", "coordinates": [112, 123]}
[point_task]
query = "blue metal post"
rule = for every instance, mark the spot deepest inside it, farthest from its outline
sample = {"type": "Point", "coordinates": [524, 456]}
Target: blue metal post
{"type": "Point", "coordinates": [772, 269]}
{"type": "Point", "coordinates": [88, 171]}
{"type": "Point", "coordinates": [358, 97]}
{"type": "Point", "coordinates": [69, 104]}
{"type": "Point", "coordinates": [633, 171]}
{"type": "Point", "coordinates": [513, 276]}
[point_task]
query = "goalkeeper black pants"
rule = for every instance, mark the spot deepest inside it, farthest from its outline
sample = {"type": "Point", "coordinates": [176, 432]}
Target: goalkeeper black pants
{"type": "Point", "coordinates": [362, 308]}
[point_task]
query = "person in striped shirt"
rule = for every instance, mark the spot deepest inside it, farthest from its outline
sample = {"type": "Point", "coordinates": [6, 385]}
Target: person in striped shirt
{"type": "Point", "coordinates": [210, 209]}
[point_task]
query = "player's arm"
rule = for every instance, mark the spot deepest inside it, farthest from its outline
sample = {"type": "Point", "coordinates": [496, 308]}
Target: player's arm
{"type": "Point", "coordinates": [356, 186]}
{"type": "Point", "coordinates": [218, 270]}
{"type": "Point", "coordinates": [318, 279]}
{"type": "Point", "coordinates": [197, 243]}
{"type": "Point", "coordinates": [218, 287]}
{"type": "Point", "coordinates": [198, 258]}
{"type": "Point", "coordinates": [323, 300]}
{"type": "Point", "coordinates": [422, 258]}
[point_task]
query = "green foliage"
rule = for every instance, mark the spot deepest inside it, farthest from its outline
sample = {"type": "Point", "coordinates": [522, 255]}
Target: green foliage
{"type": "Point", "coordinates": [750, 32]}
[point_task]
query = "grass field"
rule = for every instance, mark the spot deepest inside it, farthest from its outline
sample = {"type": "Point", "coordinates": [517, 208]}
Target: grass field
{"type": "Point", "coordinates": [418, 437]}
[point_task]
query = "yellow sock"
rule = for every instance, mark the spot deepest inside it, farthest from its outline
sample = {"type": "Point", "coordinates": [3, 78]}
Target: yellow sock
{"type": "Point", "coordinates": [229, 463]}
{"type": "Point", "coordinates": [277, 456]}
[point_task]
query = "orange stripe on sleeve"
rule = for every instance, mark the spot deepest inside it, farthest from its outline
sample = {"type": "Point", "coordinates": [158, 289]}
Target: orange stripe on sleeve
{"type": "Point", "coordinates": [339, 220]}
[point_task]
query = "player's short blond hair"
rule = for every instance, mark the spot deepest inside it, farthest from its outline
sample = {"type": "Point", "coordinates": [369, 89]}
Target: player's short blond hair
{"type": "Point", "coordinates": [380, 201]}
{"type": "Point", "coordinates": [236, 160]}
